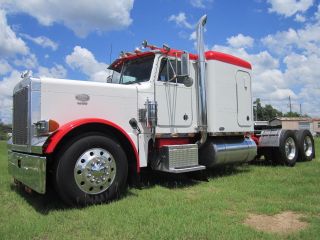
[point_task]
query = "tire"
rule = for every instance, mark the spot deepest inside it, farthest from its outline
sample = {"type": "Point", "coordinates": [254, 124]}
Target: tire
{"type": "Point", "coordinates": [91, 170]}
{"type": "Point", "coordinates": [287, 153]}
{"type": "Point", "coordinates": [305, 145]}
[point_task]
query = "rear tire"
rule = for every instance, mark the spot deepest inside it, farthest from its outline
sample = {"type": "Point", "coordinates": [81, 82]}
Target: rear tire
{"type": "Point", "coordinates": [305, 145]}
{"type": "Point", "coordinates": [287, 152]}
{"type": "Point", "coordinates": [91, 170]}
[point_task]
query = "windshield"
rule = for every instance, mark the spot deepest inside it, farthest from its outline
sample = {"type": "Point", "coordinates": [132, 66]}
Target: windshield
{"type": "Point", "coordinates": [136, 70]}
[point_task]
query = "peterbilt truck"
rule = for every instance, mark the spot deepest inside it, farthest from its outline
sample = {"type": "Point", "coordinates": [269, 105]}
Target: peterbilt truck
{"type": "Point", "coordinates": [162, 110]}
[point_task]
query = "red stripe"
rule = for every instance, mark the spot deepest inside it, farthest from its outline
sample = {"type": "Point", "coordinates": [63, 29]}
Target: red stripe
{"type": "Point", "coordinates": [223, 57]}
{"type": "Point", "coordinates": [56, 137]}
{"type": "Point", "coordinates": [210, 55]}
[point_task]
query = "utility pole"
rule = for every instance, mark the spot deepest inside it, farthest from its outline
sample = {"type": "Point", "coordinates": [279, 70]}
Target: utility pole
{"type": "Point", "coordinates": [300, 110]}
{"type": "Point", "coordinates": [290, 105]}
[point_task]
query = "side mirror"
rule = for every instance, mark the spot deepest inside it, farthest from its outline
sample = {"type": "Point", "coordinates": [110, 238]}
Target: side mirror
{"type": "Point", "coordinates": [185, 64]}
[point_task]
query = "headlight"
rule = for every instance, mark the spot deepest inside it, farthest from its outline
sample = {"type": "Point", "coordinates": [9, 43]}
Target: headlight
{"type": "Point", "coordinates": [45, 127]}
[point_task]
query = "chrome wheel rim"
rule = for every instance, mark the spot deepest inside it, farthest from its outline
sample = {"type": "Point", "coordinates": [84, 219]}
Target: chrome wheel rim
{"type": "Point", "coordinates": [307, 146]}
{"type": "Point", "coordinates": [290, 148]}
{"type": "Point", "coordinates": [95, 171]}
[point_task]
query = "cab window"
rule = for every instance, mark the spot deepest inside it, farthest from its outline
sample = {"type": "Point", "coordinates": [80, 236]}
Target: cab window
{"type": "Point", "coordinates": [169, 69]}
{"type": "Point", "coordinates": [136, 70]}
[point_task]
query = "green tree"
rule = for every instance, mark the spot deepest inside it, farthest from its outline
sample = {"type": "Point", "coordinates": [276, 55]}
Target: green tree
{"type": "Point", "coordinates": [265, 113]}
{"type": "Point", "coordinates": [295, 114]}
{"type": "Point", "coordinates": [4, 130]}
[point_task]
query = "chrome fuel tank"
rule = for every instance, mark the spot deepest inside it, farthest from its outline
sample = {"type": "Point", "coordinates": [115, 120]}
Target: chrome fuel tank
{"type": "Point", "coordinates": [219, 151]}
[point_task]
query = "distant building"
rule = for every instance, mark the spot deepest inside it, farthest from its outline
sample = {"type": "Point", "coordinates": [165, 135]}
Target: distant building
{"type": "Point", "coordinates": [293, 123]}
{"type": "Point", "coordinates": [316, 125]}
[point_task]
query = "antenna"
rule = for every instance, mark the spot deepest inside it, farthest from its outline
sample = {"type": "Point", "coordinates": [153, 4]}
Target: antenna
{"type": "Point", "coordinates": [110, 55]}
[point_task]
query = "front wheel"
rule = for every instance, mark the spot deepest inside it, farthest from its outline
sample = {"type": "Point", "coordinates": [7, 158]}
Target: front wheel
{"type": "Point", "coordinates": [91, 170]}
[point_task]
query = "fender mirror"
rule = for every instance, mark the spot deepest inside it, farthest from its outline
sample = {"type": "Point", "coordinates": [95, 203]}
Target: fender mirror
{"type": "Point", "coordinates": [188, 81]}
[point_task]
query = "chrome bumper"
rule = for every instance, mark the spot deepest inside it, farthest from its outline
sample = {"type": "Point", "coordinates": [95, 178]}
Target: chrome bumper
{"type": "Point", "coordinates": [28, 169]}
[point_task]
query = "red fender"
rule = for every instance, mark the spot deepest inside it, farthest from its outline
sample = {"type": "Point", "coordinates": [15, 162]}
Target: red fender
{"type": "Point", "coordinates": [58, 135]}
{"type": "Point", "coordinates": [255, 139]}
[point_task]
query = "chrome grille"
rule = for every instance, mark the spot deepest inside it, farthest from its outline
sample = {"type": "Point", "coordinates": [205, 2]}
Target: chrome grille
{"type": "Point", "coordinates": [20, 117]}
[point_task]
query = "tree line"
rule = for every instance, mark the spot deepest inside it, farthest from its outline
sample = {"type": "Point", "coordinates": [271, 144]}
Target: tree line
{"type": "Point", "coordinates": [4, 130]}
{"type": "Point", "coordinates": [268, 113]}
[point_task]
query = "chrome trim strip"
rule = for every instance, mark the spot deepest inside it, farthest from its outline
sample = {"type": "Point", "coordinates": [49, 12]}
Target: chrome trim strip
{"type": "Point", "coordinates": [28, 169]}
{"type": "Point", "coordinates": [175, 135]}
{"type": "Point", "coordinates": [186, 169]}
{"type": "Point", "coordinates": [226, 133]}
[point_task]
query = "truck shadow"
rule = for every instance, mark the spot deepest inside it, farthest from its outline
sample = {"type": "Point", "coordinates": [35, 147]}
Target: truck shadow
{"type": "Point", "coordinates": [151, 179]}
{"type": "Point", "coordinates": [50, 201]}
{"type": "Point", "coordinates": [41, 203]}
{"type": "Point", "coordinates": [44, 204]}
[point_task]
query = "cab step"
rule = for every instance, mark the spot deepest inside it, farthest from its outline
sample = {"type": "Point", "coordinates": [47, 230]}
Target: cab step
{"type": "Point", "coordinates": [186, 169]}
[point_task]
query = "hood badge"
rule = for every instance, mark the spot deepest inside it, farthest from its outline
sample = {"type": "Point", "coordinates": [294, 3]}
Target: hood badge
{"type": "Point", "coordinates": [82, 99]}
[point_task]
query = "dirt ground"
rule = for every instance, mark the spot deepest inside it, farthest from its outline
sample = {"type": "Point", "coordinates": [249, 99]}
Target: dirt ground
{"type": "Point", "coordinates": [282, 223]}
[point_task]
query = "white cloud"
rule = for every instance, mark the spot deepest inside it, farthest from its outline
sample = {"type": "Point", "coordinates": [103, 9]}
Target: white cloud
{"type": "Point", "coordinates": [10, 44]}
{"type": "Point", "coordinates": [281, 42]}
{"type": "Point", "coordinates": [300, 18]}
{"type": "Point", "coordinates": [240, 41]}
{"type": "Point", "coordinates": [289, 7]}
{"type": "Point", "coordinates": [28, 62]}
{"type": "Point", "coordinates": [42, 41]}
{"type": "Point", "coordinates": [200, 3]}
{"type": "Point", "coordinates": [82, 59]}
{"type": "Point", "coordinates": [57, 71]}
{"type": "Point", "coordinates": [306, 39]}
{"type": "Point", "coordinates": [180, 20]}
{"type": "Point", "coordinates": [6, 88]}
{"type": "Point", "coordinates": [193, 36]}
{"type": "Point", "coordinates": [4, 67]}
{"type": "Point", "coordinates": [317, 14]}
{"type": "Point", "coordinates": [302, 69]}
{"type": "Point", "coordinates": [81, 16]}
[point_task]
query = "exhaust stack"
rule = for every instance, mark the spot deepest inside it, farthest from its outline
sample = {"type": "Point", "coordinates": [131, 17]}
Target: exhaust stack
{"type": "Point", "coordinates": [202, 98]}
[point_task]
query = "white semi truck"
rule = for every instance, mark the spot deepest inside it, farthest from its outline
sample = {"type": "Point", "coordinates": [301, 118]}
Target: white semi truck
{"type": "Point", "coordinates": [164, 109]}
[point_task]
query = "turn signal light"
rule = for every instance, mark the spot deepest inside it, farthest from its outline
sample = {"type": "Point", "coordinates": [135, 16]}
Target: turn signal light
{"type": "Point", "coordinates": [45, 127]}
{"type": "Point", "coordinates": [53, 125]}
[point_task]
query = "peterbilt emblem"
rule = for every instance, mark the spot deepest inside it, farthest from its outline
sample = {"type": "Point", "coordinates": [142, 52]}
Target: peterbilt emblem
{"type": "Point", "coordinates": [83, 99]}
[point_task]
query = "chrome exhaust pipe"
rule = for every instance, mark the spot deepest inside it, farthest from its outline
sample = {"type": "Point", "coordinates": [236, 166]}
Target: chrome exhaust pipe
{"type": "Point", "coordinates": [202, 98]}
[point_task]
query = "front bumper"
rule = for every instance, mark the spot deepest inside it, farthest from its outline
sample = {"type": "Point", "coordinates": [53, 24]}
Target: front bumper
{"type": "Point", "coordinates": [28, 169]}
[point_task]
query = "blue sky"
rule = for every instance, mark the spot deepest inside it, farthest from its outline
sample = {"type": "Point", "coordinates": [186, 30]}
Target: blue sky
{"type": "Point", "coordinates": [73, 39]}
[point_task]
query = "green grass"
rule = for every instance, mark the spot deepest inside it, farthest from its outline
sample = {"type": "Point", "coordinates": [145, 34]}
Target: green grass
{"type": "Point", "coordinates": [171, 207]}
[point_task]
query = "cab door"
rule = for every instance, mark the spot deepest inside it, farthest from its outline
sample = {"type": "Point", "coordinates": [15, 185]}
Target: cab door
{"type": "Point", "coordinates": [173, 97]}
